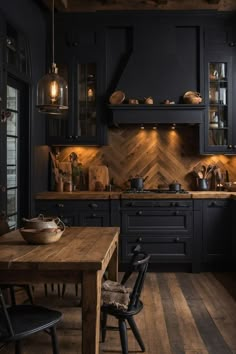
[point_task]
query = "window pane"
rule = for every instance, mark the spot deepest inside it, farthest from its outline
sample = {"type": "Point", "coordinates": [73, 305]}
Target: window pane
{"type": "Point", "coordinates": [12, 124]}
{"type": "Point", "coordinates": [12, 95]}
{"type": "Point", "coordinates": [12, 222]}
{"type": "Point", "coordinates": [11, 151]}
{"type": "Point", "coordinates": [11, 201]}
{"type": "Point", "coordinates": [11, 176]}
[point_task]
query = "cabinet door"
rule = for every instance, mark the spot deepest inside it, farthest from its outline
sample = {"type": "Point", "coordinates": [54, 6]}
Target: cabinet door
{"type": "Point", "coordinates": [218, 136]}
{"type": "Point", "coordinates": [84, 69]}
{"type": "Point", "coordinates": [217, 238]}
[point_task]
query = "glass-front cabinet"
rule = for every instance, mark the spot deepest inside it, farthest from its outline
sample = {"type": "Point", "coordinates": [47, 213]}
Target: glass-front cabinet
{"type": "Point", "coordinates": [82, 124]}
{"type": "Point", "coordinates": [219, 133]}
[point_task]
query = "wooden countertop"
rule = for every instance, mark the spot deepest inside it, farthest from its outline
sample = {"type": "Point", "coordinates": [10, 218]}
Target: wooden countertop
{"type": "Point", "coordinates": [84, 195]}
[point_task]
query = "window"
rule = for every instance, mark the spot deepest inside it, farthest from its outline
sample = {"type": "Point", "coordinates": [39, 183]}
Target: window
{"type": "Point", "coordinates": [16, 152]}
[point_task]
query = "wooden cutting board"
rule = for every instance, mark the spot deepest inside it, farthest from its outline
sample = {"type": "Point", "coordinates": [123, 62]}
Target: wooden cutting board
{"type": "Point", "coordinates": [98, 177]}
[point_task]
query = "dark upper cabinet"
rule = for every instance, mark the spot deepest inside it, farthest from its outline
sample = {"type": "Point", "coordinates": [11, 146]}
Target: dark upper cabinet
{"type": "Point", "coordinates": [219, 72]}
{"type": "Point", "coordinates": [79, 55]}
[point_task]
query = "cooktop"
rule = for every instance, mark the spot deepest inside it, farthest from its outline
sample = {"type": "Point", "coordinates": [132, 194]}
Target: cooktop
{"type": "Point", "coordinates": [181, 191]}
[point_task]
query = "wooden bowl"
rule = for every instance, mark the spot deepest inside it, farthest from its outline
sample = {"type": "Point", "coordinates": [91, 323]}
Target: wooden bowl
{"type": "Point", "coordinates": [117, 97]}
{"type": "Point", "coordinates": [192, 97]}
{"type": "Point", "coordinates": [41, 237]}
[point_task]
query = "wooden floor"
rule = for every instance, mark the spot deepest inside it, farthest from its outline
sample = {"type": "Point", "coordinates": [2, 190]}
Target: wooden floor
{"type": "Point", "coordinates": [183, 313]}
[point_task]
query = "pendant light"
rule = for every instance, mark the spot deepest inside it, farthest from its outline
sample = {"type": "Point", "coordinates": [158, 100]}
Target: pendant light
{"type": "Point", "coordinates": [52, 89]}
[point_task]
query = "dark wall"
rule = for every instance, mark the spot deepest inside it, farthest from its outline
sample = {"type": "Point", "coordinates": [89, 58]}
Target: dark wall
{"type": "Point", "coordinates": [28, 18]}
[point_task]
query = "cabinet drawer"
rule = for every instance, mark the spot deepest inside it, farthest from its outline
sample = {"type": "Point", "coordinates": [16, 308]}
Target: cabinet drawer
{"type": "Point", "coordinates": [94, 218]}
{"type": "Point", "coordinates": [161, 249]}
{"type": "Point", "coordinates": [165, 204]}
{"type": "Point", "coordinates": [72, 204]}
{"type": "Point", "coordinates": [156, 222]}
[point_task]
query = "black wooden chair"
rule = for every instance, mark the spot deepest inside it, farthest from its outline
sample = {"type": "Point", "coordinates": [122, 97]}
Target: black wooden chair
{"type": "Point", "coordinates": [20, 321]}
{"type": "Point", "coordinates": [138, 265]}
{"type": "Point", "coordinates": [4, 228]}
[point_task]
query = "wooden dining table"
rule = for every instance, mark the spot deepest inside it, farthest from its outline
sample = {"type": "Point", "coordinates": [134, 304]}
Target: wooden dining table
{"type": "Point", "coordinates": [82, 254]}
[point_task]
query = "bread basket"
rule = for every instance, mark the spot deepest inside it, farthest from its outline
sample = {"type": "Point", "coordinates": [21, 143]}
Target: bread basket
{"type": "Point", "coordinates": [41, 237]}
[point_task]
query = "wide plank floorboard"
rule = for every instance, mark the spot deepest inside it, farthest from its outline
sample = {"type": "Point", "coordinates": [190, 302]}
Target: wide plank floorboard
{"type": "Point", "coordinates": [183, 313]}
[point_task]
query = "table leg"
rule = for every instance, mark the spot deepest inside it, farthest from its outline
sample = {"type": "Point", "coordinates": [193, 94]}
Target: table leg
{"type": "Point", "coordinates": [112, 267]}
{"type": "Point", "coordinates": [91, 303]}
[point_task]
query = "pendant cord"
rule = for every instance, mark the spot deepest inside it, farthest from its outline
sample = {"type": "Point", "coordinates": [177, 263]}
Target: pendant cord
{"type": "Point", "coordinates": [53, 32]}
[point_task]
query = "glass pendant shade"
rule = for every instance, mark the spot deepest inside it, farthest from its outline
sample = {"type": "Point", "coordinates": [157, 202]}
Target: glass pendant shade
{"type": "Point", "coordinates": [52, 93]}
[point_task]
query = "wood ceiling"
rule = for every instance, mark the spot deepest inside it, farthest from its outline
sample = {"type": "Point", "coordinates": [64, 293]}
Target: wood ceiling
{"type": "Point", "coordinates": [120, 5]}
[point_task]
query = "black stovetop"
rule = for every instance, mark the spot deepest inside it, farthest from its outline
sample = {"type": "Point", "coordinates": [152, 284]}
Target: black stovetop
{"type": "Point", "coordinates": [168, 191]}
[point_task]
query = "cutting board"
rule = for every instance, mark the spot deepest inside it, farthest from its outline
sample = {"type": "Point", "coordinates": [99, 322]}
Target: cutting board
{"type": "Point", "coordinates": [98, 177]}
{"type": "Point", "coordinates": [66, 168]}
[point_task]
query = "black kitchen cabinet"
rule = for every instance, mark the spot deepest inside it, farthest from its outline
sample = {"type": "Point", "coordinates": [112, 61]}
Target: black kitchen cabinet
{"type": "Point", "coordinates": [164, 228]}
{"type": "Point", "coordinates": [76, 212]}
{"type": "Point", "coordinates": [219, 73]}
{"type": "Point", "coordinates": [79, 55]}
{"type": "Point", "coordinates": [217, 231]}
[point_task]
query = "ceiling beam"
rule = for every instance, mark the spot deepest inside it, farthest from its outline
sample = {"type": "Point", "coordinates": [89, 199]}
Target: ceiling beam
{"type": "Point", "coordinates": [213, 1]}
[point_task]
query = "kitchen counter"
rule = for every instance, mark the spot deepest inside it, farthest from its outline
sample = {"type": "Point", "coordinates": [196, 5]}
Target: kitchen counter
{"type": "Point", "coordinates": [83, 195]}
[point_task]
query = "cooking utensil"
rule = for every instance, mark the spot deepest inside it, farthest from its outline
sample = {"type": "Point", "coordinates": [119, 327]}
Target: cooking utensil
{"type": "Point", "coordinates": [137, 183]}
{"type": "Point", "coordinates": [175, 186]}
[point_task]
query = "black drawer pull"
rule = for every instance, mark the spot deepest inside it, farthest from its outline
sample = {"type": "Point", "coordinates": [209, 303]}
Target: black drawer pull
{"type": "Point", "coordinates": [173, 204]}
{"type": "Point", "coordinates": [177, 239]}
{"type": "Point", "coordinates": [60, 205]}
{"type": "Point", "coordinates": [93, 205]}
{"type": "Point", "coordinates": [139, 212]}
{"type": "Point", "coordinates": [139, 239]}
{"type": "Point", "coordinates": [131, 204]}
{"type": "Point", "coordinates": [94, 215]}
{"type": "Point", "coordinates": [176, 213]}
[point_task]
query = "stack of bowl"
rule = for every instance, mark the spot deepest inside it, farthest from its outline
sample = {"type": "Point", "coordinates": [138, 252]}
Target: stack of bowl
{"type": "Point", "coordinates": [42, 230]}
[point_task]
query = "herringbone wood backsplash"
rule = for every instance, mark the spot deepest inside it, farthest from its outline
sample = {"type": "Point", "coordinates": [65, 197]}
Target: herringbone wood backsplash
{"type": "Point", "coordinates": [163, 155]}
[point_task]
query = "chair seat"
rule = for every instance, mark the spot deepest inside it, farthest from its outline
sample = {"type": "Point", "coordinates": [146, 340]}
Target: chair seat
{"type": "Point", "coordinates": [28, 319]}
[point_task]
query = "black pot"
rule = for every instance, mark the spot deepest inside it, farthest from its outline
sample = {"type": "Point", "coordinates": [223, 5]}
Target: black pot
{"type": "Point", "coordinates": [175, 186]}
{"type": "Point", "coordinates": [137, 183]}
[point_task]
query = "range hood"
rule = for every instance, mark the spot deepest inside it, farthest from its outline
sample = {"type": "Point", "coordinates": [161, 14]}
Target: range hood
{"type": "Point", "coordinates": [156, 114]}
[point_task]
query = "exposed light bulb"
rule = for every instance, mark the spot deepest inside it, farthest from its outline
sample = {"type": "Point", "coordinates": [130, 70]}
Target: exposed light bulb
{"type": "Point", "coordinates": [142, 127]}
{"type": "Point", "coordinates": [173, 127]}
{"type": "Point", "coordinates": [54, 91]}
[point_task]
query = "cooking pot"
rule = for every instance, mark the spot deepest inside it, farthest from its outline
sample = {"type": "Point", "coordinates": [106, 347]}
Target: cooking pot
{"type": "Point", "coordinates": [42, 222]}
{"type": "Point", "coordinates": [175, 186]}
{"type": "Point", "coordinates": [137, 183]}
